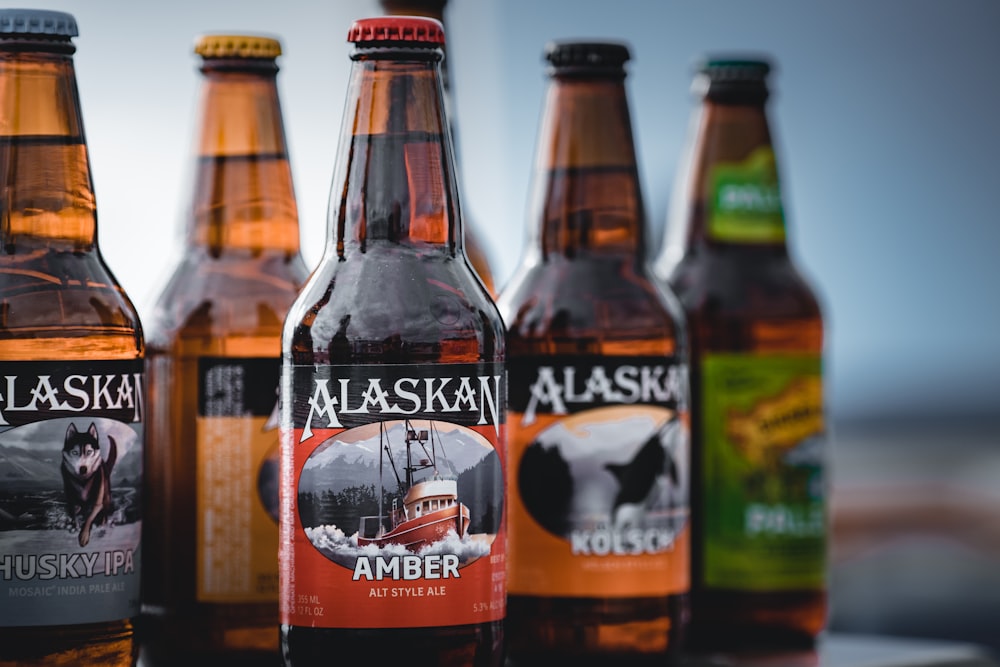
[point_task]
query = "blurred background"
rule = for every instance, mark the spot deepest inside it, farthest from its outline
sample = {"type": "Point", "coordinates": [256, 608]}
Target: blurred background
{"type": "Point", "coordinates": [885, 116]}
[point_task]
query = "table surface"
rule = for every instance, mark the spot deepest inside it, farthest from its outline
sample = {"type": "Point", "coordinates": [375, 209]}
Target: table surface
{"type": "Point", "coordinates": [844, 650]}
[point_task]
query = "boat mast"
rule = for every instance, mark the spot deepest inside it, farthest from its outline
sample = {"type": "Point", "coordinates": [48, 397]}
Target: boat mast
{"type": "Point", "coordinates": [381, 493]}
{"type": "Point", "coordinates": [410, 435]}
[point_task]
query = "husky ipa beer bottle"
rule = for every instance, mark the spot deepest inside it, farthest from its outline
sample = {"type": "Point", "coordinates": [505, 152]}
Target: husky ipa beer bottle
{"type": "Point", "coordinates": [598, 423]}
{"type": "Point", "coordinates": [756, 331]}
{"type": "Point", "coordinates": [393, 392]}
{"type": "Point", "coordinates": [474, 246]}
{"type": "Point", "coordinates": [72, 409]}
{"type": "Point", "coordinates": [211, 590]}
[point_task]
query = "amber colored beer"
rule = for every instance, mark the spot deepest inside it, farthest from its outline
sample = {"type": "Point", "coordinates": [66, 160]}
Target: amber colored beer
{"type": "Point", "coordinates": [67, 333]}
{"type": "Point", "coordinates": [756, 331]}
{"type": "Point", "coordinates": [394, 342]}
{"type": "Point", "coordinates": [210, 591]}
{"type": "Point", "coordinates": [598, 394]}
{"type": "Point", "coordinates": [474, 246]}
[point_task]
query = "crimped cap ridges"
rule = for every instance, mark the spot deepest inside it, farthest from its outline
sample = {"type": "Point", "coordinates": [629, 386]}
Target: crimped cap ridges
{"type": "Point", "coordinates": [237, 46]}
{"type": "Point", "coordinates": [414, 30]}
{"type": "Point", "coordinates": [37, 22]}
{"type": "Point", "coordinates": [597, 55]}
{"type": "Point", "coordinates": [736, 70]}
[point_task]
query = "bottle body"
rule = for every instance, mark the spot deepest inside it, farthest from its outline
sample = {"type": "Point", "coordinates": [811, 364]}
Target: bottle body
{"type": "Point", "coordinates": [72, 422]}
{"type": "Point", "coordinates": [598, 395]}
{"type": "Point", "coordinates": [393, 384]}
{"type": "Point", "coordinates": [756, 334]}
{"type": "Point", "coordinates": [214, 362]}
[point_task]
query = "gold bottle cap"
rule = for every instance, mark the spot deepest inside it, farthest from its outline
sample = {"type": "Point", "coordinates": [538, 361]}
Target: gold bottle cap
{"type": "Point", "coordinates": [237, 46]}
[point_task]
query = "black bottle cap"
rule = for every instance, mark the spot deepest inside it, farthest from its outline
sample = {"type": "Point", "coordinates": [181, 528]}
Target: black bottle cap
{"type": "Point", "coordinates": [734, 79]}
{"type": "Point", "coordinates": [587, 58]}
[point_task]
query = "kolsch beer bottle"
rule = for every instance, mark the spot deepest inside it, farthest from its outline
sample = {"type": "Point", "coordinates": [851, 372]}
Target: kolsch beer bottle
{"type": "Point", "coordinates": [598, 393]}
{"type": "Point", "coordinates": [72, 410]}
{"type": "Point", "coordinates": [393, 386]}
{"type": "Point", "coordinates": [435, 9]}
{"type": "Point", "coordinates": [758, 497]}
{"type": "Point", "coordinates": [211, 591]}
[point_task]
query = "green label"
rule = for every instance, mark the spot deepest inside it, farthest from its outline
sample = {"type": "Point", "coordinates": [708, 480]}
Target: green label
{"type": "Point", "coordinates": [745, 202]}
{"type": "Point", "coordinates": [762, 475]}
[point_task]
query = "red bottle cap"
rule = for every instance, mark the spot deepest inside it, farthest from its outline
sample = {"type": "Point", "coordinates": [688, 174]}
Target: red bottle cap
{"type": "Point", "coordinates": [412, 29]}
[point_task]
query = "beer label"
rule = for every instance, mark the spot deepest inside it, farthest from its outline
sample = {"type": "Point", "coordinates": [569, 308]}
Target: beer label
{"type": "Point", "coordinates": [71, 453]}
{"type": "Point", "coordinates": [392, 495]}
{"type": "Point", "coordinates": [762, 477]}
{"type": "Point", "coordinates": [600, 477]}
{"type": "Point", "coordinates": [745, 200]}
{"type": "Point", "coordinates": [237, 480]}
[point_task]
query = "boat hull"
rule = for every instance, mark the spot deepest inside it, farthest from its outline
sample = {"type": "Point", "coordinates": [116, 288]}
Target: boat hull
{"type": "Point", "coordinates": [416, 533]}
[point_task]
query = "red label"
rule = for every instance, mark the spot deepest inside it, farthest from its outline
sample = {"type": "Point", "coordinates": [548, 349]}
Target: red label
{"type": "Point", "coordinates": [392, 496]}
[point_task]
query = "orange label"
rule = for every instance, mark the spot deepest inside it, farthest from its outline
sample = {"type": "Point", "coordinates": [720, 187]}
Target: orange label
{"type": "Point", "coordinates": [599, 478]}
{"type": "Point", "coordinates": [390, 521]}
{"type": "Point", "coordinates": [237, 479]}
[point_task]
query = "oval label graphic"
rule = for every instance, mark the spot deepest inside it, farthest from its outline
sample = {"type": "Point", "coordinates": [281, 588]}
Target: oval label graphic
{"type": "Point", "coordinates": [615, 471]}
{"type": "Point", "coordinates": [400, 487]}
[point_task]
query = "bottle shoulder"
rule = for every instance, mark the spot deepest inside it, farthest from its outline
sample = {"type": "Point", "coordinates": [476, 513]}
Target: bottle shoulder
{"type": "Point", "coordinates": [596, 301]}
{"type": "Point", "coordinates": [390, 304]}
{"type": "Point", "coordinates": [220, 296]}
{"type": "Point", "coordinates": [753, 285]}
{"type": "Point", "coordinates": [65, 304]}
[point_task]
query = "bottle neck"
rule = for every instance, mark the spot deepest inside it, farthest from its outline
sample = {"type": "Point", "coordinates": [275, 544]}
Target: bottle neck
{"type": "Point", "coordinates": [586, 198]}
{"type": "Point", "coordinates": [432, 9]}
{"type": "Point", "coordinates": [243, 196]}
{"type": "Point", "coordinates": [732, 194]}
{"type": "Point", "coordinates": [394, 180]}
{"type": "Point", "coordinates": [44, 165]}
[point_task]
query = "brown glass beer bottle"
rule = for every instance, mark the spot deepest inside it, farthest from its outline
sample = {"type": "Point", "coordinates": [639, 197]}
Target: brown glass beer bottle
{"type": "Point", "coordinates": [211, 585]}
{"type": "Point", "coordinates": [72, 409]}
{"type": "Point", "coordinates": [474, 246]}
{"type": "Point", "coordinates": [392, 393]}
{"type": "Point", "coordinates": [756, 331]}
{"type": "Point", "coordinates": [598, 423]}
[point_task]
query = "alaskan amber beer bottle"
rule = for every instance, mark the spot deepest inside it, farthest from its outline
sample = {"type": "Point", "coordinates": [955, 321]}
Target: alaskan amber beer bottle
{"type": "Point", "coordinates": [72, 409]}
{"type": "Point", "coordinates": [474, 246]}
{"type": "Point", "coordinates": [598, 421]}
{"type": "Point", "coordinates": [393, 392]}
{"type": "Point", "coordinates": [211, 591]}
{"type": "Point", "coordinates": [756, 331]}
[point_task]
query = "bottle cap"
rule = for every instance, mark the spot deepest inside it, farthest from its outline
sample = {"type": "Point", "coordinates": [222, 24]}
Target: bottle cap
{"type": "Point", "coordinates": [237, 46]}
{"type": "Point", "coordinates": [590, 55]}
{"type": "Point", "coordinates": [733, 80]}
{"type": "Point", "coordinates": [736, 70]}
{"type": "Point", "coordinates": [414, 30]}
{"type": "Point", "coordinates": [37, 22]}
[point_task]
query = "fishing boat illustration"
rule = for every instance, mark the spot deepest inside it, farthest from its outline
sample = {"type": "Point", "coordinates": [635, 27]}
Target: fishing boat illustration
{"type": "Point", "coordinates": [430, 505]}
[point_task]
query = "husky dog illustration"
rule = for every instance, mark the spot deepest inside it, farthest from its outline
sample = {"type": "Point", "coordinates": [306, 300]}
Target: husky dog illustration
{"type": "Point", "coordinates": [87, 478]}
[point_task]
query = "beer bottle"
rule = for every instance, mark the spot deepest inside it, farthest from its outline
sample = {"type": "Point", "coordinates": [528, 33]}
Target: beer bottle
{"type": "Point", "coordinates": [393, 392]}
{"type": "Point", "coordinates": [474, 246]}
{"type": "Point", "coordinates": [756, 331]}
{"type": "Point", "coordinates": [211, 590]}
{"type": "Point", "coordinates": [72, 411]}
{"type": "Point", "coordinates": [598, 491]}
